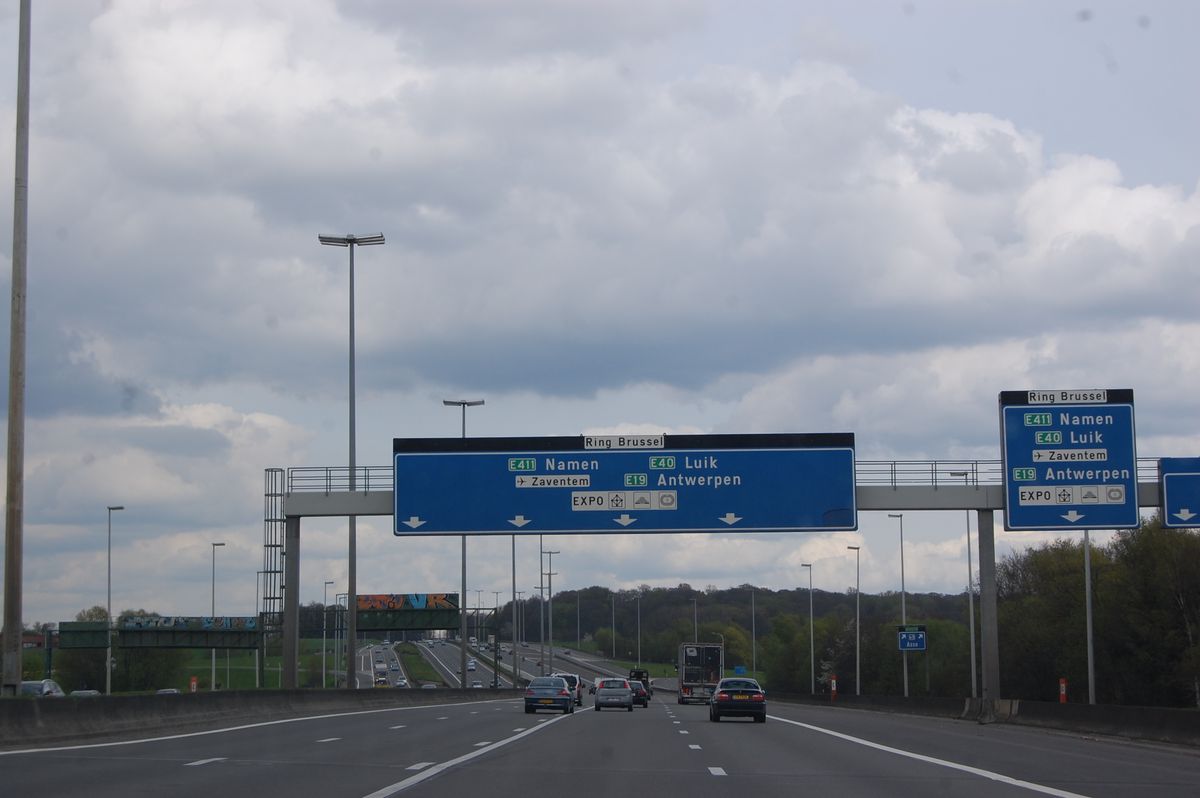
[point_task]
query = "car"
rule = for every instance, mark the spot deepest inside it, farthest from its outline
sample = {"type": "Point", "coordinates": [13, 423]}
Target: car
{"type": "Point", "coordinates": [475, 683]}
{"type": "Point", "coordinates": [394, 667]}
{"type": "Point", "coordinates": [381, 681]}
{"type": "Point", "coordinates": [402, 682]}
{"type": "Point", "coordinates": [640, 694]}
{"type": "Point", "coordinates": [548, 692]}
{"type": "Point", "coordinates": [43, 688]}
{"type": "Point", "coordinates": [575, 684]}
{"type": "Point", "coordinates": [84, 693]}
{"type": "Point", "coordinates": [471, 665]}
{"type": "Point", "coordinates": [738, 697]}
{"type": "Point", "coordinates": [429, 686]}
{"type": "Point", "coordinates": [612, 692]}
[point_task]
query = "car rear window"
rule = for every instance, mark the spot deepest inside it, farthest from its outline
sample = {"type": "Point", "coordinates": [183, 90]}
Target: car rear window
{"type": "Point", "coordinates": [610, 683]}
{"type": "Point", "coordinates": [546, 681]}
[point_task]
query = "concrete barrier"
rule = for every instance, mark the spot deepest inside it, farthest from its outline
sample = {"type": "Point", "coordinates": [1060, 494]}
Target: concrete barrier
{"type": "Point", "coordinates": [1181, 726]}
{"type": "Point", "coordinates": [40, 721]}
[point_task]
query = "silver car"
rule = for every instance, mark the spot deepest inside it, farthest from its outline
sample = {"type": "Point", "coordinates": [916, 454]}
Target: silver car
{"type": "Point", "coordinates": [612, 692]}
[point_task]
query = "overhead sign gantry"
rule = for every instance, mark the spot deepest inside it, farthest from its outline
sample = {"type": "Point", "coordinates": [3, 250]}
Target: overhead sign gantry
{"type": "Point", "coordinates": [1179, 491]}
{"type": "Point", "coordinates": [624, 483]}
{"type": "Point", "coordinates": [1069, 459]}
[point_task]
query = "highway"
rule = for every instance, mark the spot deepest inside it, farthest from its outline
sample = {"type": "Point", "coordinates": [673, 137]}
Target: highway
{"type": "Point", "coordinates": [668, 750]}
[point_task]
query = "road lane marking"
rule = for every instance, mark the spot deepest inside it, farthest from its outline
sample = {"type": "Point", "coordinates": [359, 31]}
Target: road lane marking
{"type": "Point", "coordinates": [482, 744]}
{"type": "Point", "coordinates": [677, 722]}
{"type": "Point", "coordinates": [329, 740]}
{"type": "Point", "coordinates": [392, 789]}
{"type": "Point", "coordinates": [717, 771]}
{"type": "Point", "coordinates": [444, 717]}
{"type": "Point", "coordinates": [694, 747]}
{"type": "Point", "coordinates": [199, 762]}
{"type": "Point", "coordinates": [683, 731]}
{"type": "Point", "coordinates": [397, 727]}
{"type": "Point", "coordinates": [521, 729]}
{"type": "Point", "coordinates": [420, 766]}
{"type": "Point", "coordinates": [987, 774]}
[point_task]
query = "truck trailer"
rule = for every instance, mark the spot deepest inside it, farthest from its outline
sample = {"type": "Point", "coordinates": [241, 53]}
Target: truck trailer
{"type": "Point", "coordinates": [701, 666]}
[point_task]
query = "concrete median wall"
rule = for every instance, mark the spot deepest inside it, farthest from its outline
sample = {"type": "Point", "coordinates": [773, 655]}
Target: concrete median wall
{"type": "Point", "coordinates": [39, 721]}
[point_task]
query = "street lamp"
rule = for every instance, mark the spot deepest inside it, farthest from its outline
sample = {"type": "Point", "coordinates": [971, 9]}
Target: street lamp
{"type": "Point", "coordinates": [324, 620]}
{"type": "Point", "coordinates": [695, 622]}
{"type": "Point", "coordinates": [753, 638]}
{"type": "Point", "coordinates": [550, 601]}
{"type": "Point", "coordinates": [903, 611]}
{"type": "Point", "coordinates": [212, 679]}
{"type": "Point", "coordinates": [970, 586]}
{"type": "Point", "coordinates": [108, 660]}
{"type": "Point", "coordinates": [812, 649]}
{"type": "Point", "coordinates": [857, 624]}
{"type": "Point", "coordinates": [639, 628]}
{"type": "Point", "coordinates": [496, 640]}
{"type": "Point", "coordinates": [462, 619]}
{"type": "Point", "coordinates": [614, 625]}
{"type": "Point", "coordinates": [350, 241]}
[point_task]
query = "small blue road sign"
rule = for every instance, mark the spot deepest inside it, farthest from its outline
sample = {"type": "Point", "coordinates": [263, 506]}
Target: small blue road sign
{"type": "Point", "coordinates": [1179, 489]}
{"type": "Point", "coordinates": [911, 637]}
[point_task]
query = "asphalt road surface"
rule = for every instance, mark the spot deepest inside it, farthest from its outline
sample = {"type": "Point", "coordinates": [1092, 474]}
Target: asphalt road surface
{"type": "Point", "coordinates": [666, 750]}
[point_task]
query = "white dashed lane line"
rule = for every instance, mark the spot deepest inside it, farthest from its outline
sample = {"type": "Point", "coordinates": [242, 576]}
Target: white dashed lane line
{"type": "Point", "coordinates": [199, 762]}
{"type": "Point", "coordinates": [419, 766]}
{"type": "Point", "coordinates": [329, 740]}
{"type": "Point", "coordinates": [717, 771]}
{"type": "Point", "coordinates": [694, 747]}
{"type": "Point", "coordinates": [485, 742]}
{"type": "Point", "coordinates": [397, 727]}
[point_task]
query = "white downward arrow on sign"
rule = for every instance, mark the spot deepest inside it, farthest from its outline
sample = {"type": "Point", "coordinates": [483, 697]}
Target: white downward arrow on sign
{"type": "Point", "coordinates": [730, 518]}
{"type": "Point", "coordinates": [624, 520]}
{"type": "Point", "coordinates": [413, 522]}
{"type": "Point", "coordinates": [1185, 514]}
{"type": "Point", "coordinates": [519, 521]}
{"type": "Point", "coordinates": [1072, 516]}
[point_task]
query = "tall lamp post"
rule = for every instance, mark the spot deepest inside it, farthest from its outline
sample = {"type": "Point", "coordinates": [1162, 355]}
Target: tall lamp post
{"type": "Point", "coordinates": [614, 625]}
{"type": "Point", "coordinates": [857, 624]}
{"type": "Point", "coordinates": [212, 679]}
{"type": "Point", "coordinates": [324, 621]}
{"type": "Point", "coordinates": [695, 622]}
{"type": "Point", "coordinates": [639, 628]}
{"type": "Point", "coordinates": [350, 241]}
{"type": "Point", "coordinates": [550, 601]}
{"type": "Point", "coordinates": [462, 623]}
{"type": "Point", "coordinates": [753, 638]}
{"type": "Point", "coordinates": [108, 660]}
{"type": "Point", "coordinates": [970, 587]}
{"type": "Point", "coordinates": [496, 639]}
{"type": "Point", "coordinates": [258, 652]}
{"type": "Point", "coordinates": [903, 611]}
{"type": "Point", "coordinates": [812, 649]}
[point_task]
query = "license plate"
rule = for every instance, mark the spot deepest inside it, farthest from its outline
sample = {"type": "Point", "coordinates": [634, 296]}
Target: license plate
{"type": "Point", "coordinates": [740, 697]}
{"type": "Point", "coordinates": [546, 701]}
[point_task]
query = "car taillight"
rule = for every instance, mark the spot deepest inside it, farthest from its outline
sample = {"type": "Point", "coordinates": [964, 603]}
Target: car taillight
{"type": "Point", "coordinates": [722, 696]}
{"type": "Point", "coordinates": [758, 697]}
{"type": "Point", "coordinates": [563, 692]}
{"type": "Point", "coordinates": [529, 692]}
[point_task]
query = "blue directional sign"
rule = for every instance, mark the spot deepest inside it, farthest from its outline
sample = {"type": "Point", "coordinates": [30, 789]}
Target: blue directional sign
{"type": "Point", "coordinates": [910, 637]}
{"type": "Point", "coordinates": [1179, 489]}
{"type": "Point", "coordinates": [624, 483]}
{"type": "Point", "coordinates": [1069, 459]}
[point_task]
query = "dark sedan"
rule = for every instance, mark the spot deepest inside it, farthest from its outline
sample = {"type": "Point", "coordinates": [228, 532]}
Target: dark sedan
{"type": "Point", "coordinates": [738, 698]}
{"type": "Point", "coordinates": [640, 694]}
{"type": "Point", "coordinates": [549, 692]}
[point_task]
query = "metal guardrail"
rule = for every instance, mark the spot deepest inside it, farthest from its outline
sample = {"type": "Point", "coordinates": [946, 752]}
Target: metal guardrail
{"type": "Point", "coordinates": [887, 473]}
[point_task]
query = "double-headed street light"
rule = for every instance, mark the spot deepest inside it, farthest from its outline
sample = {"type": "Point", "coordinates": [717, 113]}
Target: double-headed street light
{"type": "Point", "coordinates": [857, 625]}
{"type": "Point", "coordinates": [212, 679]}
{"type": "Point", "coordinates": [351, 241]}
{"type": "Point", "coordinates": [903, 611]}
{"type": "Point", "coordinates": [462, 623]}
{"type": "Point", "coordinates": [108, 660]}
{"type": "Point", "coordinates": [970, 586]}
{"type": "Point", "coordinates": [812, 648]}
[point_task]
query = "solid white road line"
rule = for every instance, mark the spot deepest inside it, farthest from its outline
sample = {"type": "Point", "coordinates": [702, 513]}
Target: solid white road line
{"type": "Point", "coordinates": [987, 774]}
{"type": "Point", "coordinates": [199, 762]}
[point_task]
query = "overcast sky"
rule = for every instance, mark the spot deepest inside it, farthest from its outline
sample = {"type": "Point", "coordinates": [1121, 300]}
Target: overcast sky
{"type": "Point", "coordinates": [660, 216]}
